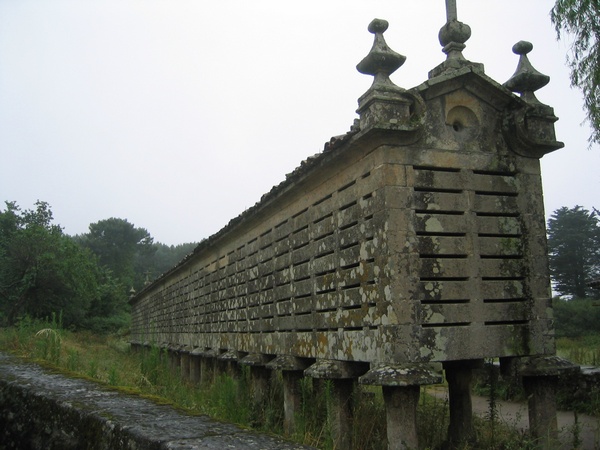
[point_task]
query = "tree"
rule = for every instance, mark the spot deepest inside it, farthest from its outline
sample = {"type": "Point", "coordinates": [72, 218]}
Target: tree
{"type": "Point", "coordinates": [574, 250]}
{"type": "Point", "coordinates": [581, 19]}
{"type": "Point", "coordinates": [42, 271]}
{"type": "Point", "coordinates": [166, 257]}
{"type": "Point", "coordinates": [119, 245]}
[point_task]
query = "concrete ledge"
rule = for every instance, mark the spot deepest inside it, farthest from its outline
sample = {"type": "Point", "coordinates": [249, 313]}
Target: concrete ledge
{"type": "Point", "coordinates": [42, 410]}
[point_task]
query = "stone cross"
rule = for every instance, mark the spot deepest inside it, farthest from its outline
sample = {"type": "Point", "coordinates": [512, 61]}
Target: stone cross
{"type": "Point", "coordinates": [451, 10]}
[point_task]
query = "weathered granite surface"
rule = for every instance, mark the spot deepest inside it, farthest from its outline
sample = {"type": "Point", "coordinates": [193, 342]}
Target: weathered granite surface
{"type": "Point", "coordinates": [43, 410]}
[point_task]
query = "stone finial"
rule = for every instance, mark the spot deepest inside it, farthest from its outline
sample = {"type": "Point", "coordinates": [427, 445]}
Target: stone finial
{"type": "Point", "coordinates": [381, 61]}
{"type": "Point", "coordinates": [526, 80]}
{"type": "Point", "coordinates": [453, 36]}
{"type": "Point", "coordinates": [529, 130]}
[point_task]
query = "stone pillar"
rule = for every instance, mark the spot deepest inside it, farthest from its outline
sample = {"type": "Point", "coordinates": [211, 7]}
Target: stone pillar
{"type": "Point", "coordinates": [195, 365]}
{"type": "Point", "coordinates": [540, 378]}
{"type": "Point", "coordinates": [541, 403]}
{"type": "Point", "coordinates": [509, 370]}
{"type": "Point", "coordinates": [292, 371]}
{"type": "Point", "coordinates": [228, 363]}
{"type": "Point", "coordinates": [184, 360]}
{"type": "Point", "coordinates": [401, 416]}
{"type": "Point", "coordinates": [459, 375]}
{"type": "Point", "coordinates": [259, 376]}
{"type": "Point", "coordinates": [292, 399]}
{"type": "Point", "coordinates": [136, 347]}
{"type": "Point", "coordinates": [401, 388]}
{"type": "Point", "coordinates": [174, 359]}
{"type": "Point", "coordinates": [208, 359]}
{"type": "Point", "coordinates": [343, 376]}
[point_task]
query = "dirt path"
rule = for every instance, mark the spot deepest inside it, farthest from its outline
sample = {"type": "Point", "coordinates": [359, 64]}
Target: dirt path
{"type": "Point", "coordinates": [515, 414]}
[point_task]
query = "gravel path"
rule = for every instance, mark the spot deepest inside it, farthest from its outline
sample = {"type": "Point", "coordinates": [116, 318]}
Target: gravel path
{"type": "Point", "coordinates": [515, 414]}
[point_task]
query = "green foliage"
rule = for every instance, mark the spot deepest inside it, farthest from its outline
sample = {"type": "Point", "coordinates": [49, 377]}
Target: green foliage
{"type": "Point", "coordinates": [574, 250]}
{"type": "Point", "coordinates": [148, 373]}
{"type": "Point", "coordinates": [580, 19]}
{"type": "Point", "coordinates": [42, 271]}
{"type": "Point", "coordinates": [166, 257]}
{"type": "Point", "coordinates": [576, 318]}
{"type": "Point", "coordinates": [49, 342]}
{"type": "Point", "coordinates": [118, 245]}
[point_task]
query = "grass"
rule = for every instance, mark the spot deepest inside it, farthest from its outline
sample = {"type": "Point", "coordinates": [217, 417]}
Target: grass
{"type": "Point", "coordinates": [584, 350]}
{"type": "Point", "coordinates": [109, 360]}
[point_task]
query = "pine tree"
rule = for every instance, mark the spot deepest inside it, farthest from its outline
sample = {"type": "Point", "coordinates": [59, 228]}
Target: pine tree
{"type": "Point", "coordinates": [574, 250]}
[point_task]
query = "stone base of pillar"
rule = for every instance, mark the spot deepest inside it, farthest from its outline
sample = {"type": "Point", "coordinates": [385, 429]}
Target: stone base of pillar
{"type": "Point", "coordinates": [343, 376]}
{"type": "Point", "coordinates": [401, 416]}
{"type": "Point", "coordinates": [195, 366]}
{"type": "Point", "coordinates": [401, 385]}
{"type": "Point", "coordinates": [292, 400]}
{"type": "Point", "coordinates": [184, 359]}
{"type": "Point", "coordinates": [292, 369]}
{"type": "Point", "coordinates": [459, 375]}
{"type": "Point", "coordinates": [342, 412]}
{"type": "Point", "coordinates": [540, 378]}
{"type": "Point", "coordinates": [208, 363]}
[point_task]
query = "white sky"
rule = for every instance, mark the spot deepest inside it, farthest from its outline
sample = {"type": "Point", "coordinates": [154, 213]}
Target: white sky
{"type": "Point", "coordinates": [179, 114]}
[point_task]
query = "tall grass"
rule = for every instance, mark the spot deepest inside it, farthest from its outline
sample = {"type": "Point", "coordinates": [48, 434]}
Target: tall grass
{"type": "Point", "coordinates": [584, 350]}
{"type": "Point", "coordinates": [108, 359]}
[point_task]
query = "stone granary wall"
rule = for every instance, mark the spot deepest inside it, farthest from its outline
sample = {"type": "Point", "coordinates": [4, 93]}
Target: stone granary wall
{"type": "Point", "coordinates": [418, 237]}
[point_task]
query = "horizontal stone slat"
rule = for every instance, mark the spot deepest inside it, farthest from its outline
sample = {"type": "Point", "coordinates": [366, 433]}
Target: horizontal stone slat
{"type": "Point", "coordinates": [439, 201]}
{"type": "Point", "coordinates": [442, 245]}
{"type": "Point", "coordinates": [496, 246]}
{"type": "Point", "coordinates": [440, 223]}
{"type": "Point", "coordinates": [508, 226]}
{"type": "Point", "coordinates": [444, 268]}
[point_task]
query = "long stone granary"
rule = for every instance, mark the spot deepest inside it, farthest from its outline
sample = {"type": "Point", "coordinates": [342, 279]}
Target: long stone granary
{"type": "Point", "coordinates": [416, 238]}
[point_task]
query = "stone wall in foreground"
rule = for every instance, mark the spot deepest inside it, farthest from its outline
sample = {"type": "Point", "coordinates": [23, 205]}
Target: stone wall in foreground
{"type": "Point", "coordinates": [44, 411]}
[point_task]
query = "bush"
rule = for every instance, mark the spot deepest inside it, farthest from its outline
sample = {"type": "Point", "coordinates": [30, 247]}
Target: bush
{"type": "Point", "coordinates": [576, 318]}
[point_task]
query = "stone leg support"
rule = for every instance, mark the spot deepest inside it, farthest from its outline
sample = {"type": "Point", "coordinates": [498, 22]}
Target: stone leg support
{"type": "Point", "coordinates": [185, 366]}
{"type": "Point", "coordinates": [459, 375]}
{"type": "Point", "coordinates": [342, 412]}
{"type": "Point", "coordinates": [174, 361]}
{"type": "Point", "coordinates": [207, 364]}
{"type": "Point", "coordinates": [260, 377]}
{"type": "Point", "coordinates": [292, 399]}
{"type": "Point", "coordinates": [195, 362]}
{"type": "Point", "coordinates": [401, 416]}
{"type": "Point", "coordinates": [401, 386]}
{"type": "Point", "coordinates": [292, 370]}
{"type": "Point", "coordinates": [540, 378]}
{"type": "Point", "coordinates": [343, 376]}
{"type": "Point", "coordinates": [541, 392]}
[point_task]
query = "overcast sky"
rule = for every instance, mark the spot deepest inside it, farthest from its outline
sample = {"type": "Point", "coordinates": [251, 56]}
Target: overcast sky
{"type": "Point", "coordinates": [177, 115]}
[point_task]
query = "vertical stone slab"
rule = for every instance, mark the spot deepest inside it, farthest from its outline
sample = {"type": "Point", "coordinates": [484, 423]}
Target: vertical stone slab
{"type": "Point", "coordinates": [195, 366]}
{"type": "Point", "coordinates": [292, 369]}
{"type": "Point", "coordinates": [540, 378]}
{"type": "Point", "coordinates": [401, 384]}
{"type": "Point", "coordinates": [228, 364]}
{"type": "Point", "coordinates": [343, 376]}
{"type": "Point", "coordinates": [292, 399]}
{"type": "Point", "coordinates": [174, 359]}
{"type": "Point", "coordinates": [260, 377]}
{"type": "Point", "coordinates": [541, 395]}
{"type": "Point", "coordinates": [459, 375]}
{"type": "Point", "coordinates": [342, 412]}
{"type": "Point", "coordinates": [401, 416]}
{"type": "Point", "coordinates": [208, 365]}
{"type": "Point", "coordinates": [184, 359]}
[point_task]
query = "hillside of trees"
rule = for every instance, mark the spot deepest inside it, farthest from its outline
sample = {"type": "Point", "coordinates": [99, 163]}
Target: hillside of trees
{"type": "Point", "coordinates": [84, 279]}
